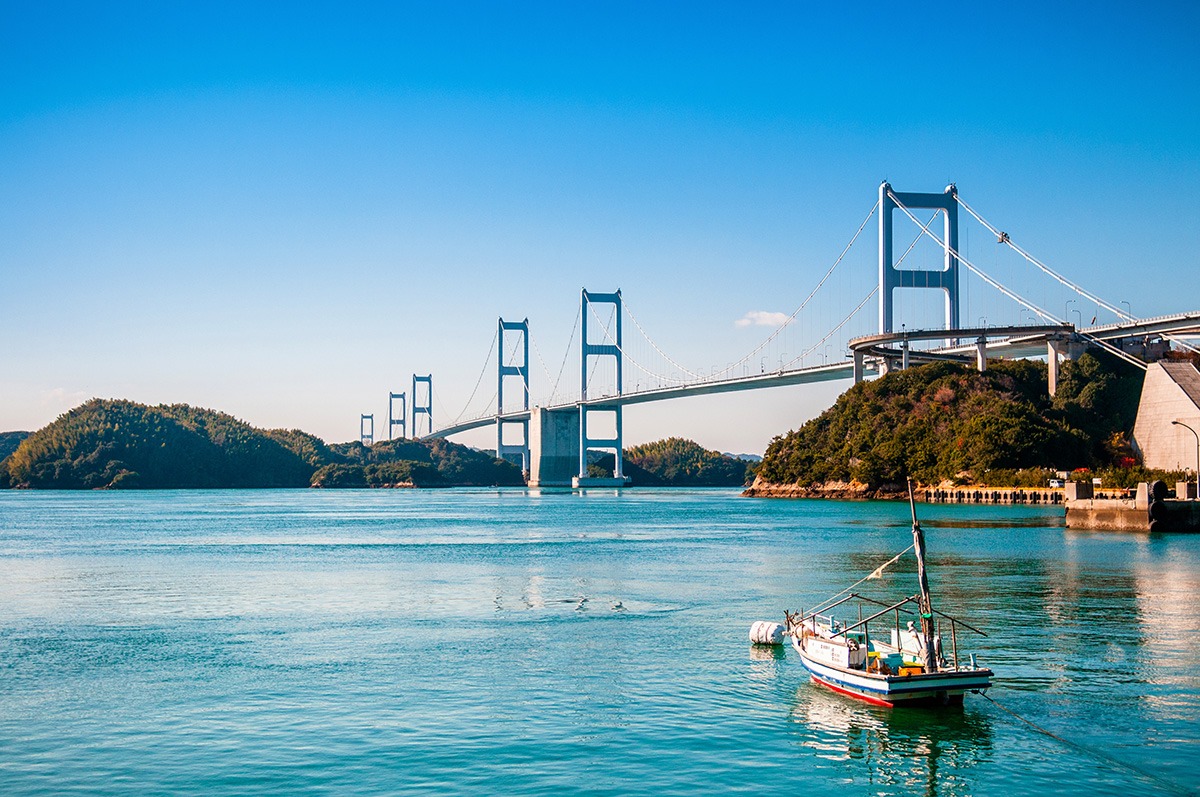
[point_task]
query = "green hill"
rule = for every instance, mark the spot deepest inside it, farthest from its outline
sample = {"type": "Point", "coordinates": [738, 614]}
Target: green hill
{"type": "Point", "coordinates": [676, 462]}
{"type": "Point", "coordinates": [422, 463]}
{"type": "Point", "coordinates": [942, 421]}
{"type": "Point", "coordinates": [122, 444]}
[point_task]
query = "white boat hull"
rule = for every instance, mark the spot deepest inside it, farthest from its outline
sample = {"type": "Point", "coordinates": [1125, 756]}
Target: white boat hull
{"type": "Point", "coordinates": [939, 688]}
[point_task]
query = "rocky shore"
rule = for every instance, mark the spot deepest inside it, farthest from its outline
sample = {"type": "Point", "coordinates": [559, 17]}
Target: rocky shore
{"type": "Point", "coordinates": [836, 490]}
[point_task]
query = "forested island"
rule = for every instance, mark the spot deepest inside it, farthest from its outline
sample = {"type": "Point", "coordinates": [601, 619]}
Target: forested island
{"type": "Point", "coordinates": [676, 462]}
{"type": "Point", "coordinates": [939, 423]}
{"type": "Point", "coordinates": [945, 422]}
{"type": "Point", "coordinates": [117, 444]}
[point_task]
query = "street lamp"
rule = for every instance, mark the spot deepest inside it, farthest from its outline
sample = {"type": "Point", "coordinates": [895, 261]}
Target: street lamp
{"type": "Point", "coordinates": [1067, 310]}
{"type": "Point", "coordinates": [1197, 436]}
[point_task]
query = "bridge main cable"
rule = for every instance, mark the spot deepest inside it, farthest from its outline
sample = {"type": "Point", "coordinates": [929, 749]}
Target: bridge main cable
{"type": "Point", "coordinates": [1005, 238]}
{"type": "Point", "coordinates": [1015, 297]}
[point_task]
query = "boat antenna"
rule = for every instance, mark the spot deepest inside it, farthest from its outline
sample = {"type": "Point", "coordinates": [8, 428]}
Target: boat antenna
{"type": "Point", "coordinates": [926, 604]}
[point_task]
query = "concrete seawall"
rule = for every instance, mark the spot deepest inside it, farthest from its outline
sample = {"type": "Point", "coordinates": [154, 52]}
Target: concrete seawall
{"type": "Point", "coordinates": [1139, 512]}
{"type": "Point", "coordinates": [994, 495]}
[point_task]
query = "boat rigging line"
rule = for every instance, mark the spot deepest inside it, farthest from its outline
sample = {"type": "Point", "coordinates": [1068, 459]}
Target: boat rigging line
{"type": "Point", "coordinates": [1099, 755]}
{"type": "Point", "coordinates": [876, 573]}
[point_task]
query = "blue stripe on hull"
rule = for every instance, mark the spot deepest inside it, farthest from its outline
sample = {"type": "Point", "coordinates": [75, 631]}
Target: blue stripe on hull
{"type": "Point", "coordinates": [914, 689]}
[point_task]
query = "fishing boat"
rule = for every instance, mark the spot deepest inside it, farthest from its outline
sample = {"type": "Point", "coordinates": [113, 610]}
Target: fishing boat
{"type": "Point", "coordinates": [907, 668]}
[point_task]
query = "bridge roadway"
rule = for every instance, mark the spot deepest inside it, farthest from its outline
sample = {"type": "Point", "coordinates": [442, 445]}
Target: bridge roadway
{"type": "Point", "coordinates": [1026, 345]}
{"type": "Point", "coordinates": [797, 376]}
{"type": "Point", "coordinates": [1019, 341]}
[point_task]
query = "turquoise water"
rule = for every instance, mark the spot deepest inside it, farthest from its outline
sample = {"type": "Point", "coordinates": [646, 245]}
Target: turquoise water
{"type": "Point", "coordinates": [503, 642]}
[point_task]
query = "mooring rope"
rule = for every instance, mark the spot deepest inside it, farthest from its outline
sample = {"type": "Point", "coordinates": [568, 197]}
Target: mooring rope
{"type": "Point", "coordinates": [1097, 754]}
{"type": "Point", "coordinates": [876, 573]}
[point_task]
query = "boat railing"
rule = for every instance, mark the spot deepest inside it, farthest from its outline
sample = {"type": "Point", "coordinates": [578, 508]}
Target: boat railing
{"type": "Point", "coordinates": [803, 619]}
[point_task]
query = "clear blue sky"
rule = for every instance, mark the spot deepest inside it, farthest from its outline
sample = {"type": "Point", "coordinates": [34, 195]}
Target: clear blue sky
{"type": "Point", "coordinates": [284, 210]}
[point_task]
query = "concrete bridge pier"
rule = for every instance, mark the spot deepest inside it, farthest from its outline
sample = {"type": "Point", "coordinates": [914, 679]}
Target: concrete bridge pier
{"type": "Point", "coordinates": [1053, 351]}
{"type": "Point", "coordinates": [553, 447]}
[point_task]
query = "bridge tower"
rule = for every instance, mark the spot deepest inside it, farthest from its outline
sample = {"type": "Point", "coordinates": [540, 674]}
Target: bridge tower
{"type": "Point", "coordinates": [513, 451]}
{"type": "Point", "coordinates": [422, 403]}
{"type": "Point", "coordinates": [891, 277]}
{"type": "Point", "coordinates": [588, 349]}
{"type": "Point", "coordinates": [366, 430]}
{"type": "Point", "coordinates": [393, 421]}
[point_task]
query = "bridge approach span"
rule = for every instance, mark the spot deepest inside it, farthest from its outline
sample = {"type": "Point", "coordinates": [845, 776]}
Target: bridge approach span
{"type": "Point", "coordinates": [798, 376]}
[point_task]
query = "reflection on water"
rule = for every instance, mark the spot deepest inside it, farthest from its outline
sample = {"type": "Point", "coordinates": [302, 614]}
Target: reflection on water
{"type": "Point", "coordinates": [907, 750]}
{"type": "Point", "coordinates": [503, 642]}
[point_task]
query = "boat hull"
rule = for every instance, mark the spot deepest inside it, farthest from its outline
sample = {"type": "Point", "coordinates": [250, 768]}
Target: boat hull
{"type": "Point", "coordinates": [928, 689]}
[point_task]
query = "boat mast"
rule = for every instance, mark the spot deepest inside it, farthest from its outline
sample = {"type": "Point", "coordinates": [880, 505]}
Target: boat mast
{"type": "Point", "coordinates": [926, 605]}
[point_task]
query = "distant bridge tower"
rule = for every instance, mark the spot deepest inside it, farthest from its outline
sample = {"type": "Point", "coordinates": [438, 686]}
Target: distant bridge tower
{"type": "Point", "coordinates": [366, 430]}
{"type": "Point", "coordinates": [588, 349]}
{"type": "Point", "coordinates": [512, 451]}
{"type": "Point", "coordinates": [891, 277]}
{"type": "Point", "coordinates": [393, 421]}
{"type": "Point", "coordinates": [422, 403]}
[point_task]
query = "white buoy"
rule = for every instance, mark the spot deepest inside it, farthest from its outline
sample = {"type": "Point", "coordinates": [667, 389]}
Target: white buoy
{"type": "Point", "coordinates": [766, 633]}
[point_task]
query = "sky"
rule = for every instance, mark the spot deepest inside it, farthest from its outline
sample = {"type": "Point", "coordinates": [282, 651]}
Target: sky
{"type": "Point", "coordinates": [284, 210]}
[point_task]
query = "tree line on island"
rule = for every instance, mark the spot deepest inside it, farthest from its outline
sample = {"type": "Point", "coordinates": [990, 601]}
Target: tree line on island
{"type": "Point", "coordinates": [936, 423]}
{"type": "Point", "coordinates": [118, 444]}
{"type": "Point", "coordinates": [945, 422]}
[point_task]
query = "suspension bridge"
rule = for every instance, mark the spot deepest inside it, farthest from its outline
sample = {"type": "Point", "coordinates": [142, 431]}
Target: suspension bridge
{"type": "Point", "coordinates": [552, 439]}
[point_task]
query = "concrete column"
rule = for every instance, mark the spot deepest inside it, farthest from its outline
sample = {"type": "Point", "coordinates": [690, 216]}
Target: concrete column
{"type": "Point", "coordinates": [904, 355]}
{"type": "Point", "coordinates": [981, 354]}
{"type": "Point", "coordinates": [583, 440]}
{"type": "Point", "coordinates": [619, 454]}
{"type": "Point", "coordinates": [858, 367]}
{"type": "Point", "coordinates": [553, 438]}
{"type": "Point", "coordinates": [1052, 365]}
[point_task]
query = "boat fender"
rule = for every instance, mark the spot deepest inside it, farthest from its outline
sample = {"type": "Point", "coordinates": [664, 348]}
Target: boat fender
{"type": "Point", "coordinates": [766, 633]}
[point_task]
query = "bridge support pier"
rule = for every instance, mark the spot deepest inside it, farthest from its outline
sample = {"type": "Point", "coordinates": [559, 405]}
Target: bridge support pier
{"type": "Point", "coordinates": [858, 367]}
{"type": "Point", "coordinates": [553, 447]}
{"type": "Point", "coordinates": [981, 354]}
{"type": "Point", "coordinates": [1053, 352]}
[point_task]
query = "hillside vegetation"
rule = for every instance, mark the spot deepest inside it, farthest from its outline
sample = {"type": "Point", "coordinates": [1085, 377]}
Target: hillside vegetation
{"type": "Point", "coordinates": [122, 444]}
{"type": "Point", "coordinates": [684, 463]}
{"type": "Point", "coordinates": [942, 421]}
{"type": "Point", "coordinates": [676, 462]}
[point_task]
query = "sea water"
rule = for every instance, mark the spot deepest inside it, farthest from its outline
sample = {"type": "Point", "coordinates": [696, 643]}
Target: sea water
{"type": "Point", "coordinates": [518, 642]}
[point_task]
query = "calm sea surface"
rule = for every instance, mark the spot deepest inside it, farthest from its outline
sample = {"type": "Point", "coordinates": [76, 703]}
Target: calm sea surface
{"type": "Point", "coordinates": [507, 642]}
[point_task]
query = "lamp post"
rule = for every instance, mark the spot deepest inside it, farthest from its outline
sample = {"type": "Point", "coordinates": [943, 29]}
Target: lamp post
{"type": "Point", "coordinates": [1197, 436]}
{"type": "Point", "coordinates": [1067, 310]}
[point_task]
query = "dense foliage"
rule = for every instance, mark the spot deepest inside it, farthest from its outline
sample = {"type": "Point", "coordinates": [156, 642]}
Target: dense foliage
{"type": "Point", "coordinates": [8, 444]}
{"type": "Point", "coordinates": [685, 463]}
{"type": "Point", "coordinates": [122, 444]}
{"type": "Point", "coordinates": [424, 463]}
{"type": "Point", "coordinates": [943, 421]}
{"type": "Point", "coordinates": [675, 462]}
